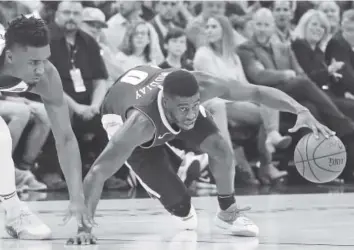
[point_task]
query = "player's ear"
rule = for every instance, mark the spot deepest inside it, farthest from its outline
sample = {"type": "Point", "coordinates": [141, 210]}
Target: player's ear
{"type": "Point", "coordinates": [8, 56]}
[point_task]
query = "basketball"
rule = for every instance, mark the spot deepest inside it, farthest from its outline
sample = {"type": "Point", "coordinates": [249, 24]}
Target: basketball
{"type": "Point", "coordinates": [320, 160]}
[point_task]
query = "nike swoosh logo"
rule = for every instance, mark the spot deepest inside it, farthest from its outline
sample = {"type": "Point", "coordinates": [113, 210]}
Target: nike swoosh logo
{"type": "Point", "coordinates": [162, 136]}
{"type": "Point", "coordinates": [207, 179]}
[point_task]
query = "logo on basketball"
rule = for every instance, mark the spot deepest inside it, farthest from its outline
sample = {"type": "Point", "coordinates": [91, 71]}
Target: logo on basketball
{"type": "Point", "coordinates": [335, 161]}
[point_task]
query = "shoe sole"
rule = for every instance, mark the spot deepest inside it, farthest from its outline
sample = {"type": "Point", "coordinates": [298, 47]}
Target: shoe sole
{"type": "Point", "coordinates": [226, 226]}
{"type": "Point", "coordinates": [26, 235]}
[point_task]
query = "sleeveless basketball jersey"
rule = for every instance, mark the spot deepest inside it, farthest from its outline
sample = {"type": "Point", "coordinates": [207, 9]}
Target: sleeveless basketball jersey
{"type": "Point", "coordinates": [141, 88]}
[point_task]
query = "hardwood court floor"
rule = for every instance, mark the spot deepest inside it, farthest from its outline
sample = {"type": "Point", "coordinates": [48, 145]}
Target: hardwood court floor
{"type": "Point", "coordinates": [287, 222]}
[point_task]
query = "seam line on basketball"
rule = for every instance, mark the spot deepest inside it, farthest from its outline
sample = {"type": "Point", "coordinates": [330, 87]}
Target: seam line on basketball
{"type": "Point", "coordinates": [321, 157]}
{"type": "Point", "coordinates": [307, 156]}
{"type": "Point", "coordinates": [314, 150]}
{"type": "Point", "coordinates": [303, 165]}
{"type": "Point", "coordinates": [327, 170]}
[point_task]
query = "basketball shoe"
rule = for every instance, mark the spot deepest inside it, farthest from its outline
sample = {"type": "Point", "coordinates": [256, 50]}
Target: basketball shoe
{"type": "Point", "coordinates": [190, 222]}
{"type": "Point", "coordinates": [235, 222]}
{"type": "Point", "coordinates": [21, 223]}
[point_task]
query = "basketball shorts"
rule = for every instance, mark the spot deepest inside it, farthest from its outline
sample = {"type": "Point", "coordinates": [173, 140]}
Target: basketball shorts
{"type": "Point", "coordinates": [156, 168]}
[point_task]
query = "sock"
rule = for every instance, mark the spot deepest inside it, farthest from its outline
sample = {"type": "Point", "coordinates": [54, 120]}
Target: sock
{"type": "Point", "coordinates": [8, 195]}
{"type": "Point", "coordinates": [225, 201]}
{"type": "Point", "coordinates": [10, 201]}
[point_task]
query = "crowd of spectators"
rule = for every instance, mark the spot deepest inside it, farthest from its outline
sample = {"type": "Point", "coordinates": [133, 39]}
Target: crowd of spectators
{"type": "Point", "coordinates": [304, 48]}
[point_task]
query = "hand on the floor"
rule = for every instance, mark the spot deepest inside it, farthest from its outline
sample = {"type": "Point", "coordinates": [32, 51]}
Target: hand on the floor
{"type": "Point", "coordinates": [306, 120]}
{"type": "Point", "coordinates": [82, 238]}
{"type": "Point", "coordinates": [81, 213]}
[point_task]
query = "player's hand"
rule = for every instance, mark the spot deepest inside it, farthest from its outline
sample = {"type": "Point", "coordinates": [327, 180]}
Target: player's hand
{"type": "Point", "coordinates": [95, 109]}
{"type": "Point", "coordinates": [85, 112]}
{"type": "Point", "coordinates": [83, 237]}
{"type": "Point", "coordinates": [335, 66]}
{"type": "Point", "coordinates": [289, 73]}
{"type": "Point", "coordinates": [78, 210]}
{"type": "Point", "coordinates": [306, 120]}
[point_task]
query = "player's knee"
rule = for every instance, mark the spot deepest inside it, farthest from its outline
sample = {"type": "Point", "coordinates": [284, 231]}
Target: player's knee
{"type": "Point", "coordinates": [182, 208]}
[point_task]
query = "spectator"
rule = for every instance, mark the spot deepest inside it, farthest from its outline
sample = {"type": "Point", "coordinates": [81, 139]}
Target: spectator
{"type": "Point", "coordinates": [283, 14]}
{"type": "Point", "coordinates": [107, 7]}
{"type": "Point", "coordinates": [243, 25]}
{"type": "Point", "coordinates": [219, 58]}
{"type": "Point", "coordinates": [77, 57]}
{"type": "Point", "coordinates": [175, 46]}
{"type": "Point", "coordinates": [267, 63]}
{"type": "Point", "coordinates": [139, 47]}
{"type": "Point", "coordinates": [129, 12]}
{"type": "Point", "coordinates": [332, 11]}
{"type": "Point", "coordinates": [340, 48]}
{"type": "Point", "coordinates": [93, 24]}
{"type": "Point", "coordinates": [164, 19]}
{"type": "Point", "coordinates": [196, 29]}
{"type": "Point", "coordinates": [310, 34]}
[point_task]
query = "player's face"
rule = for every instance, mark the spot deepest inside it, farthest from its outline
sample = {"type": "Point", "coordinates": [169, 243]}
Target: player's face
{"type": "Point", "coordinates": [213, 30]}
{"type": "Point", "coordinates": [28, 62]}
{"type": "Point", "coordinates": [184, 110]}
{"type": "Point", "coordinates": [177, 46]}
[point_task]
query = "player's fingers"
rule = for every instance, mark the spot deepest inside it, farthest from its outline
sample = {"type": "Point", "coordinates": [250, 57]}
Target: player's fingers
{"type": "Point", "coordinates": [330, 132]}
{"type": "Point", "coordinates": [79, 219]}
{"type": "Point", "coordinates": [70, 241]}
{"type": "Point", "coordinates": [323, 131]}
{"type": "Point", "coordinates": [82, 239]}
{"type": "Point", "coordinates": [87, 221]}
{"type": "Point", "coordinates": [93, 240]}
{"type": "Point", "coordinates": [94, 223]}
{"type": "Point", "coordinates": [77, 240]}
{"type": "Point", "coordinates": [67, 218]}
{"type": "Point", "coordinates": [315, 131]}
{"type": "Point", "coordinates": [294, 129]}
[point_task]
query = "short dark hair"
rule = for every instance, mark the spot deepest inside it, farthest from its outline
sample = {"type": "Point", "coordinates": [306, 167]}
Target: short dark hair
{"type": "Point", "coordinates": [174, 33]}
{"type": "Point", "coordinates": [27, 31]}
{"type": "Point", "coordinates": [180, 83]}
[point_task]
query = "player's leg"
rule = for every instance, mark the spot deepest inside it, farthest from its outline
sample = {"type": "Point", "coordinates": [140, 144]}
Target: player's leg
{"type": "Point", "coordinates": [20, 222]}
{"type": "Point", "coordinates": [155, 171]}
{"type": "Point", "coordinates": [206, 138]}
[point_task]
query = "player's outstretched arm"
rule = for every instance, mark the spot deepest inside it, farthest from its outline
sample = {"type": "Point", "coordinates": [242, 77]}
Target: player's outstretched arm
{"type": "Point", "coordinates": [211, 86]}
{"type": "Point", "coordinates": [52, 94]}
{"type": "Point", "coordinates": [135, 131]}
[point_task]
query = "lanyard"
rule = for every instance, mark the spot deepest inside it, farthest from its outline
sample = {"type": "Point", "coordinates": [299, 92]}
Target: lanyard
{"type": "Point", "coordinates": [72, 54]}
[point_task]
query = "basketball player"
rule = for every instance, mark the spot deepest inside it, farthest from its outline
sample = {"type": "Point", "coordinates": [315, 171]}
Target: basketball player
{"type": "Point", "coordinates": [24, 66]}
{"type": "Point", "coordinates": [141, 118]}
